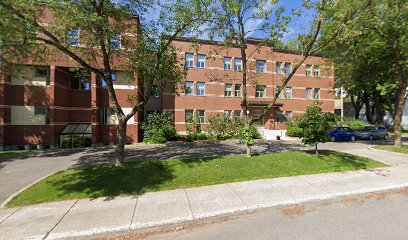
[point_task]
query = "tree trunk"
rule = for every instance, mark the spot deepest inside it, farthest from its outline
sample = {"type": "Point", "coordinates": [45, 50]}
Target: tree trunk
{"type": "Point", "coordinates": [368, 110]}
{"type": "Point", "coordinates": [357, 106]}
{"type": "Point", "coordinates": [120, 146]}
{"type": "Point", "coordinates": [317, 151]}
{"type": "Point", "coordinates": [401, 93]}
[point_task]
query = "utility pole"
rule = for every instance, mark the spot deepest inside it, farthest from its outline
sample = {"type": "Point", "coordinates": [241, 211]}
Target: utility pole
{"type": "Point", "coordinates": [341, 102]}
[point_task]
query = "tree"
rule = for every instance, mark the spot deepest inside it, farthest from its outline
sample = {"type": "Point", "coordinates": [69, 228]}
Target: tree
{"type": "Point", "coordinates": [24, 35]}
{"type": "Point", "coordinates": [382, 27]}
{"type": "Point", "coordinates": [315, 125]}
{"type": "Point", "coordinates": [228, 21]}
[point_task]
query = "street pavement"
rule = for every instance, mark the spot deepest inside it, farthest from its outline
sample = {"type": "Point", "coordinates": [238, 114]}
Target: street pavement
{"type": "Point", "coordinates": [90, 217]}
{"type": "Point", "coordinates": [369, 217]}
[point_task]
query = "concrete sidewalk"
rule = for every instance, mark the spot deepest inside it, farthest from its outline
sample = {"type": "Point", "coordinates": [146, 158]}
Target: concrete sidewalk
{"type": "Point", "coordinates": [85, 217]}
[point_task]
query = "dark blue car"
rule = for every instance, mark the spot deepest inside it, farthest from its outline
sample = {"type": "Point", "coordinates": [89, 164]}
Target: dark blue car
{"type": "Point", "coordinates": [342, 134]}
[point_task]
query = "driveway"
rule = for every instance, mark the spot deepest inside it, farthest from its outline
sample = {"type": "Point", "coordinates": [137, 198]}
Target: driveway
{"type": "Point", "coordinates": [18, 171]}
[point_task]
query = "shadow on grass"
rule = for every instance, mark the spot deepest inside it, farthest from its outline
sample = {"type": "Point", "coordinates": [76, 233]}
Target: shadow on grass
{"type": "Point", "coordinates": [108, 180]}
{"type": "Point", "coordinates": [341, 160]}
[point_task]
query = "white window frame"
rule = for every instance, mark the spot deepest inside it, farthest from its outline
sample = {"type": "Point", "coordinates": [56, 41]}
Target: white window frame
{"type": "Point", "coordinates": [200, 62]}
{"type": "Point", "coordinates": [190, 93]}
{"type": "Point", "coordinates": [309, 96]}
{"type": "Point", "coordinates": [227, 63]}
{"type": "Point", "coordinates": [200, 89]}
{"type": "Point", "coordinates": [286, 69]}
{"type": "Point", "coordinates": [308, 70]}
{"type": "Point", "coordinates": [260, 68]}
{"type": "Point", "coordinates": [185, 114]}
{"type": "Point", "coordinates": [200, 119]}
{"type": "Point", "coordinates": [259, 93]}
{"type": "Point", "coordinates": [229, 91]}
{"type": "Point", "coordinates": [316, 96]}
{"type": "Point", "coordinates": [316, 71]}
{"type": "Point", "coordinates": [189, 60]}
{"type": "Point", "coordinates": [279, 69]}
{"type": "Point", "coordinates": [228, 114]}
{"type": "Point", "coordinates": [286, 92]}
{"type": "Point", "coordinates": [239, 92]}
{"type": "Point", "coordinates": [237, 67]}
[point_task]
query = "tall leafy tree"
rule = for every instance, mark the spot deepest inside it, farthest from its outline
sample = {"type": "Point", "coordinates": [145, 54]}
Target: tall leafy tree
{"type": "Point", "coordinates": [24, 35]}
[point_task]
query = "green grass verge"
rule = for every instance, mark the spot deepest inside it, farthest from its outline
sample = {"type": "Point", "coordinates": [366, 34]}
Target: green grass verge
{"type": "Point", "coordinates": [3, 153]}
{"type": "Point", "coordinates": [402, 149]}
{"type": "Point", "coordinates": [146, 176]}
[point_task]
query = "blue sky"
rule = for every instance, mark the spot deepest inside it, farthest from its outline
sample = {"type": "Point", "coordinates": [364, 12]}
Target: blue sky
{"type": "Point", "coordinates": [297, 25]}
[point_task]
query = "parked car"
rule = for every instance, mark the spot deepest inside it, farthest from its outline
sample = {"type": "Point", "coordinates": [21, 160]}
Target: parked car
{"type": "Point", "coordinates": [372, 132]}
{"type": "Point", "coordinates": [342, 134]}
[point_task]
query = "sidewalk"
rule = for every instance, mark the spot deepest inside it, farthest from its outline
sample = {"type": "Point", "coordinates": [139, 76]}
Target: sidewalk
{"type": "Point", "coordinates": [76, 218]}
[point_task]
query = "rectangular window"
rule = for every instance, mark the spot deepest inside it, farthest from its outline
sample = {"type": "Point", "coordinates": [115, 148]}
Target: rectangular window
{"type": "Point", "coordinates": [189, 60]}
{"type": "Point", "coordinates": [308, 93]}
{"type": "Point", "coordinates": [288, 93]}
{"type": "Point", "coordinates": [103, 85]}
{"type": "Point", "coordinates": [237, 115]}
{"type": "Point", "coordinates": [115, 42]}
{"type": "Point", "coordinates": [316, 71]}
{"type": "Point", "coordinates": [156, 92]}
{"type": "Point", "coordinates": [279, 117]}
{"type": "Point", "coordinates": [287, 68]}
{"type": "Point", "coordinates": [73, 38]}
{"type": "Point", "coordinates": [237, 64]}
{"type": "Point", "coordinates": [308, 70]}
{"type": "Point", "coordinates": [260, 91]}
{"type": "Point", "coordinates": [227, 63]}
{"type": "Point", "coordinates": [278, 91]}
{"type": "Point", "coordinates": [200, 88]}
{"type": "Point", "coordinates": [43, 72]}
{"type": "Point", "coordinates": [189, 88]}
{"type": "Point", "coordinates": [189, 116]}
{"type": "Point", "coordinates": [201, 61]}
{"type": "Point", "coordinates": [105, 114]}
{"type": "Point", "coordinates": [288, 115]}
{"type": "Point", "coordinates": [278, 68]}
{"type": "Point", "coordinates": [40, 111]}
{"type": "Point", "coordinates": [81, 82]}
{"type": "Point", "coordinates": [228, 114]}
{"type": "Point", "coordinates": [228, 90]}
{"type": "Point", "coordinates": [201, 116]}
{"type": "Point", "coordinates": [317, 93]}
{"type": "Point", "coordinates": [260, 66]}
{"type": "Point", "coordinates": [237, 90]}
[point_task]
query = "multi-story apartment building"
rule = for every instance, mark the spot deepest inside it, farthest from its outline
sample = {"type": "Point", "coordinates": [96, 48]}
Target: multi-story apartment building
{"type": "Point", "coordinates": [214, 84]}
{"type": "Point", "coordinates": [46, 103]}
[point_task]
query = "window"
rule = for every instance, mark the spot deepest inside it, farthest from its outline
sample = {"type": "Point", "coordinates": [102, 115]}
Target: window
{"type": "Point", "coordinates": [308, 70]}
{"type": "Point", "coordinates": [189, 116]}
{"type": "Point", "coordinates": [287, 68]}
{"type": "Point", "coordinates": [73, 38]}
{"type": "Point", "coordinates": [113, 80]}
{"type": "Point", "coordinates": [227, 63]}
{"type": "Point", "coordinates": [316, 71]}
{"type": "Point", "coordinates": [237, 115]}
{"type": "Point", "coordinates": [260, 66]}
{"type": "Point", "coordinates": [237, 64]}
{"type": "Point", "coordinates": [260, 91]}
{"type": "Point", "coordinates": [288, 115]}
{"type": "Point", "coordinates": [201, 116]}
{"type": "Point", "coordinates": [81, 82]}
{"type": "Point", "coordinates": [228, 90]}
{"type": "Point", "coordinates": [278, 68]}
{"type": "Point", "coordinates": [308, 93]}
{"type": "Point", "coordinates": [278, 91]}
{"type": "Point", "coordinates": [200, 88]}
{"type": "Point", "coordinates": [228, 114]}
{"type": "Point", "coordinates": [288, 92]}
{"type": "Point", "coordinates": [105, 114]}
{"type": "Point", "coordinates": [189, 60]}
{"type": "Point", "coordinates": [189, 88]}
{"type": "Point", "coordinates": [317, 93]}
{"type": "Point", "coordinates": [115, 42]}
{"type": "Point", "coordinates": [156, 92]}
{"type": "Point", "coordinates": [201, 61]}
{"type": "Point", "coordinates": [40, 111]}
{"type": "Point", "coordinates": [237, 90]}
{"type": "Point", "coordinates": [279, 117]}
{"type": "Point", "coordinates": [43, 72]}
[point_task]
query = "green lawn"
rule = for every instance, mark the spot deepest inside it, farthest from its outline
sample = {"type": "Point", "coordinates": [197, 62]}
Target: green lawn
{"type": "Point", "coordinates": [146, 176]}
{"type": "Point", "coordinates": [402, 149]}
{"type": "Point", "coordinates": [13, 152]}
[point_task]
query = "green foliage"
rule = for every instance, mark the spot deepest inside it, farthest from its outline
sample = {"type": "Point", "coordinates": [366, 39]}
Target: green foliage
{"type": "Point", "coordinates": [193, 126]}
{"type": "Point", "coordinates": [355, 124]}
{"type": "Point", "coordinates": [159, 128]}
{"type": "Point", "coordinates": [315, 125]}
{"type": "Point", "coordinates": [223, 128]}
{"type": "Point", "coordinates": [251, 134]}
{"type": "Point", "coordinates": [293, 129]}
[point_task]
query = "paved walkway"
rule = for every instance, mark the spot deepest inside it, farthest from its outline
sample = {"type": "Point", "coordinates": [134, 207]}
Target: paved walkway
{"type": "Point", "coordinates": [76, 218]}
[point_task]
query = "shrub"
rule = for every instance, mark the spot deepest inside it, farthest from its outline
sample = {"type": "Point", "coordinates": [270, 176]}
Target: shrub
{"type": "Point", "coordinates": [158, 128]}
{"type": "Point", "coordinates": [356, 124]}
{"type": "Point", "coordinates": [253, 131]}
{"type": "Point", "coordinates": [293, 127]}
{"type": "Point", "coordinates": [223, 128]}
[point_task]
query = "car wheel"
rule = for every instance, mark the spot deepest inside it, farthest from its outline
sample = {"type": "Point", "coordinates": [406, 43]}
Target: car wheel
{"type": "Point", "coordinates": [370, 138]}
{"type": "Point", "coordinates": [332, 139]}
{"type": "Point", "coordinates": [353, 138]}
{"type": "Point", "coordinates": [386, 136]}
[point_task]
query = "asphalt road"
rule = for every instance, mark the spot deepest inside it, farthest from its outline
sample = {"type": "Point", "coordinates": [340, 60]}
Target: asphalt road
{"type": "Point", "coordinates": [375, 216]}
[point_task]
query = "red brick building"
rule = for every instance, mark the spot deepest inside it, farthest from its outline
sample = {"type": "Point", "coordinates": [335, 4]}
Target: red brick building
{"type": "Point", "coordinates": [45, 103]}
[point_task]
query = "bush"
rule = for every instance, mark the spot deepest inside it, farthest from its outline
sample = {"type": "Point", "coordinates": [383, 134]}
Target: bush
{"type": "Point", "coordinates": [356, 124]}
{"type": "Point", "coordinates": [159, 129]}
{"type": "Point", "coordinates": [293, 127]}
{"type": "Point", "coordinates": [253, 130]}
{"type": "Point", "coordinates": [223, 128]}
